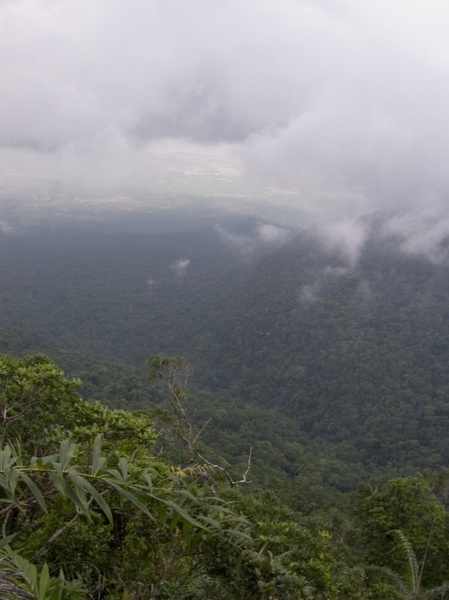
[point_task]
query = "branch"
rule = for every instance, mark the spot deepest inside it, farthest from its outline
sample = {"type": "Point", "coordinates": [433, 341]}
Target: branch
{"type": "Point", "coordinates": [175, 372]}
{"type": "Point", "coordinates": [232, 481]}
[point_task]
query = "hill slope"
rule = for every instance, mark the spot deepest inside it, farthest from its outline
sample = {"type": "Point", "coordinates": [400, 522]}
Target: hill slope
{"type": "Point", "coordinates": [355, 351]}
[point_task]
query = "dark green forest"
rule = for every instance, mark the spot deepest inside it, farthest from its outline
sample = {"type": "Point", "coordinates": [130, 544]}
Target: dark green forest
{"type": "Point", "coordinates": [319, 381]}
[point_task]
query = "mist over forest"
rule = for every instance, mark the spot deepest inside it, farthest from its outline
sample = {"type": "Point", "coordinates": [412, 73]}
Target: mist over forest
{"type": "Point", "coordinates": [313, 360]}
{"type": "Point", "coordinates": [224, 283]}
{"type": "Point", "coordinates": [342, 327]}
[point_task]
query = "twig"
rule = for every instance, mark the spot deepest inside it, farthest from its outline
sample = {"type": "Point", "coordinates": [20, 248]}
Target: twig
{"type": "Point", "coordinates": [232, 481]}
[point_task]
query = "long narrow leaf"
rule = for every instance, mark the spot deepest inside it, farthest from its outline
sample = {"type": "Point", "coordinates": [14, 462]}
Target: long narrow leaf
{"type": "Point", "coordinates": [97, 460]}
{"type": "Point", "coordinates": [78, 493]}
{"type": "Point", "coordinates": [44, 582]}
{"type": "Point", "coordinates": [123, 464]}
{"type": "Point", "coordinates": [101, 502]}
{"type": "Point", "coordinates": [57, 478]}
{"type": "Point", "coordinates": [66, 452]}
{"type": "Point", "coordinates": [185, 515]}
{"type": "Point", "coordinates": [130, 497]}
{"type": "Point", "coordinates": [34, 490]}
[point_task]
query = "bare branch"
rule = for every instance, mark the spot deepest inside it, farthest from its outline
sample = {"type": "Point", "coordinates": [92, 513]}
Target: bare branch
{"type": "Point", "coordinates": [175, 372]}
{"type": "Point", "coordinates": [232, 481]}
{"type": "Point", "coordinates": [195, 439]}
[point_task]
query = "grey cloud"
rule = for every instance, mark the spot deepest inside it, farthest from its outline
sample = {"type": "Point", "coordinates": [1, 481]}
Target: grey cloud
{"type": "Point", "coordinates": [340, 96]}
{"type": "Point", "coordinates": [199, 70]}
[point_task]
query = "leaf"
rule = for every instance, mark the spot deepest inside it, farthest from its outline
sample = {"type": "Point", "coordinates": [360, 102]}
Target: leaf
{"type": "Point", "coordinates": [123, 464]}
{"type": "Point", "coordinates": [29, 571]}
{"type": "Point", "coordinates": [97, 460]}
{"type": "Point", "coordinates": [77, 493]}
{"type": "Point", "coordinates": [34, 490]}
{"type": "Point", "coordinates": [57, 478]}
{"type": "Point", "coordinates": [66, 452]}
{"type": "Point", "coordinates": [187, 533]}
{"type": "Point", "coordinates": [44, 582]}
{"type": "Point", "coordinates": [185, 515]}
{"type": "Point", "coordinates": [97, 496]}
{"type": "Point", "coordinates": [130, 497]}
{"type": "Point", "coordinates": [414, 570]}
{"type": "Point", "coordinates": [149, 482]}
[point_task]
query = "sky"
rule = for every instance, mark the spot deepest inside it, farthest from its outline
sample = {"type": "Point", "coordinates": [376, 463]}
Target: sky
{"type": "Point", "coordinates": [330, 107]}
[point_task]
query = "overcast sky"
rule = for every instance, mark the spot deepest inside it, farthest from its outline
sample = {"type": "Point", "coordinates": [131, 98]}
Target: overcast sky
{"type": "Point", "coordinates": [310, 102]}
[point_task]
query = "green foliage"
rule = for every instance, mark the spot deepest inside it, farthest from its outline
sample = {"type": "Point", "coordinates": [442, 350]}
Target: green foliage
{"type": "Point", "coordinates": [41, 406]}
{"type": "Point", "coordinates": [97, 516]}
{"type": "Point", "coordinates": [174, 518]}
{"type": "Point", "coordinates": [309, 561]}
{"type": "Point", "coordinates": [356, 356]}
{"type": "Point", "coordinates": [386, 583]}
{"type": "Point", "coordinates": [22, 580]}
{"type": "Point", "coordinates": [407, 504]}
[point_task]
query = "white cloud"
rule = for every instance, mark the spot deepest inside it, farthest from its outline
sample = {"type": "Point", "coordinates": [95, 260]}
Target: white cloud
{"type": "Point", "coordinates": [347, 237]}
{"type": "Point", "coordinates": [272, 234]}
{"type": "Point", "coordinates": [336, 97]}
{"type": "Point", "coordinates": [180, 266]}
{"type": "Point", "coordinates": [265, 234]}
{"type": "Point", "coordinates": [245, 244]}
{"type": "Point", "coordinates": [421, 233]}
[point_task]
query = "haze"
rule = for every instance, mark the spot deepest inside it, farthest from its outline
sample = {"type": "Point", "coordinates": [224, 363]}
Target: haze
{"type": "Point", "coordinates": [320, 108]}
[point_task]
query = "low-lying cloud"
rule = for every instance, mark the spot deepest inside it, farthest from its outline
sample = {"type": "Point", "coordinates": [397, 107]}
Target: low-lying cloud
{"type": "Point", "coordinates": [180, 266]}
{"type": "Point", "coordinates": [346, 237]}
{"type": "Point", "coordinates": [423, 233]}
{"type": "Point", "coordinates": [263, 234]}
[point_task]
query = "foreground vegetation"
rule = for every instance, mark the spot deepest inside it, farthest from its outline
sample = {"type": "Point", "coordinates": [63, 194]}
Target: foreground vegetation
{"type": "Point", "coordinates": [90, 508]}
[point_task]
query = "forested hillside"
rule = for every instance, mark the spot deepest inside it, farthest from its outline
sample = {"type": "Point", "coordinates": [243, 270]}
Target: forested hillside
{"type": "Point", "coordinates": [354, 352]}
{"type": "Point", "coordinates": [92, 509]}
{"type": "Point", "coordinates": [316, 377]}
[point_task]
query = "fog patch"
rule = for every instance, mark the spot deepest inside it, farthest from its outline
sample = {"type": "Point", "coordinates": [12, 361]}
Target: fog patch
{"type": "Point", "coordinates": [421, 233]}
{"type": "Point", "coordinates": [180, 266]}
{"type": "Point", "coordinates": [364, 291]}
{"type": "Point", "coordinates": [272, 234]}
{"type": "Point", "coordinates": [345, 237]}
{"type": "Point", "coordinates": [309, 293]}
{"type": "Point", "coordinates": [6, 227]}
{"type": "Point", "coordinates": [242, 243]}
{"type": "Point", "coordinates": [263, 234]}
{"type": "Point", "coordinates": [336, 271]}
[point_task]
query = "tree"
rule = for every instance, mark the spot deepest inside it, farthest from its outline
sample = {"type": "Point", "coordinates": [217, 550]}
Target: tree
{"type": "Point", "coordinates": [407, 504]}
{"type": "Point", "coordinates": [97, 516]}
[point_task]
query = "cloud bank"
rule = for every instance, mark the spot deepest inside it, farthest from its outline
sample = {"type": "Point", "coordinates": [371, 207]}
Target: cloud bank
{"type": "Point", "coordinates": [340, 96]}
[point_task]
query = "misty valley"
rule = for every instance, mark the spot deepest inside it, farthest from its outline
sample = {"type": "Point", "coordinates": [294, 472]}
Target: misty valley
{"type": "Point", "coordinates": [316, 368]}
